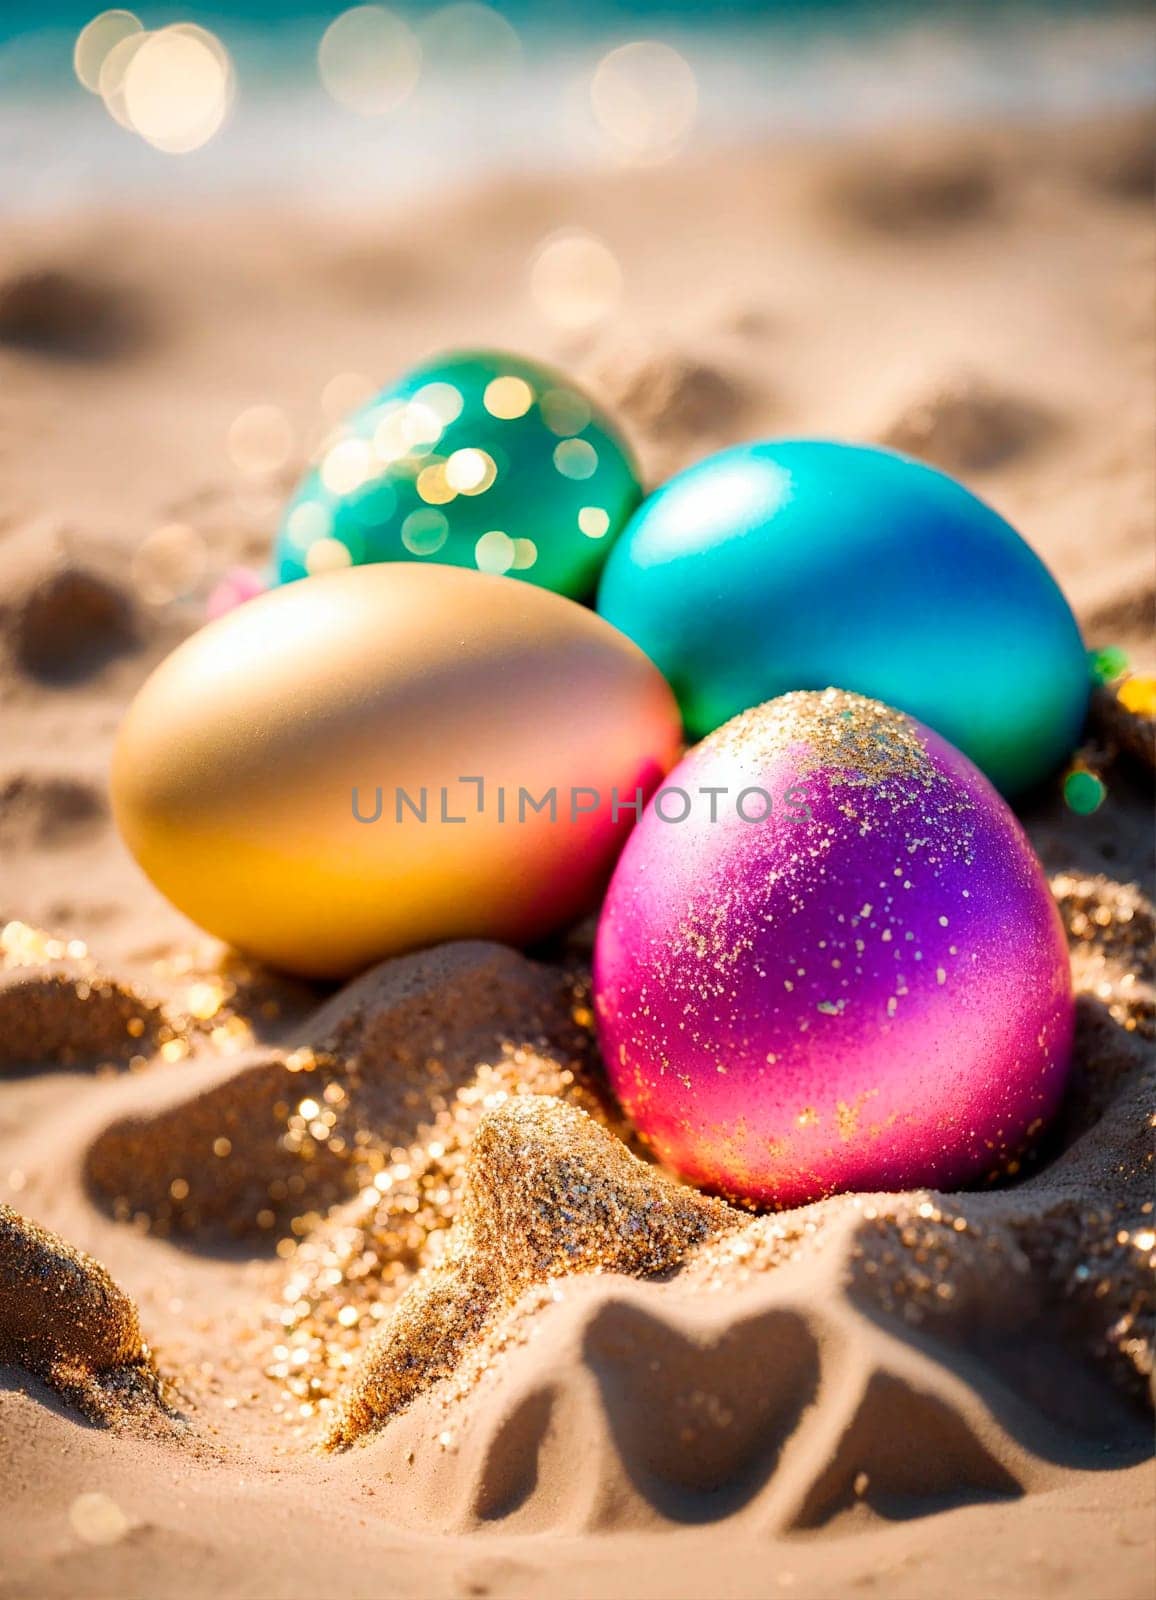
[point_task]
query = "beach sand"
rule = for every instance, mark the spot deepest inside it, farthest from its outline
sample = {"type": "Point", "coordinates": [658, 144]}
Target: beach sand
{"type": "Point", "coordinates": [880, 1395]}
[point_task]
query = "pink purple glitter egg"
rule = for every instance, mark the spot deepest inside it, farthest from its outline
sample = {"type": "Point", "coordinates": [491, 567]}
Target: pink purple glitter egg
{"type": "Point", "coordinates": [829, 960]}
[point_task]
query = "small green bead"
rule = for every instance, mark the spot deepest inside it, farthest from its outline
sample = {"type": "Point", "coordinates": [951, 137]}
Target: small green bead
{"type": "Point", "coordinates": [1084, 792]}
{"type": "Point", "coordinates": [1108, 664]}
{"type": "Point", "coordinates": [474, 459]}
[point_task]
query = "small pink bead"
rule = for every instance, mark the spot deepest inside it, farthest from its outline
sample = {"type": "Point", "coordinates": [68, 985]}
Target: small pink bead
{"type": "Point", "coordinates": [238, 585]}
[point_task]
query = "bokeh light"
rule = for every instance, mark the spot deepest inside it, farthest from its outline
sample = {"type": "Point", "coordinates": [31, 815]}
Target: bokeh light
{"type": "Point", "coordinates": [433, 486]}
{"type": "Point", "coordinates": [565, 411]}
{"type": "Point", "coordinates": [344, 393]}
{"type": "Point", "coordinates": [96, 1519]}
{"type": "Point", "coordinates": [470, 471]}
{"type": "Point", "coordinates": [576, 458]}
{"type": "Point", "coordinates": [575, 279]}
{"type": "Point", "coordinates": [508, 398]}
{"type": "Point", "coordinates": [369, 60]}
{"type": "Point", "coordinates": [645, 98]}
{"type": "Point", "coordinates": [495, 552]}
{"type": "Point", "coordinates": [168, 564]}
{"type": "Point", "coordinates": [347, 466]}
{"type": "Point", "coordinates": [326, 555]}
{"type": "Point", "coordinates": [111, 75]}
{"type": "Point", "coordinates": [172, 87]}
{"type": "Point", "coordinates": [441, 400]}
{"type": "Point", "coordinates": [470, 37]}
{"type": "Point", "coordinates": [96, 39]}
{"type": "Point", "coordinates": [177, 88]}
{"type": "Point", "coordinates": [424, 532]}
{"type": "Point", "coordinates": [307, 523]}
{"type": "Point", "coordinates": [594, 521]}
{"type": "Point", "coordinates": [260, 440]}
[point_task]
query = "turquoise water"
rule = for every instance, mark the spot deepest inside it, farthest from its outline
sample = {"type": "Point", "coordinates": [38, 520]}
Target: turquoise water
{"type": "Point", "coordinates": [761, 70]}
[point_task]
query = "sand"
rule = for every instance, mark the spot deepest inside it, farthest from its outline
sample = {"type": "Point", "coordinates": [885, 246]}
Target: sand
{"type": "Point", "coordinates": [369, 1291]}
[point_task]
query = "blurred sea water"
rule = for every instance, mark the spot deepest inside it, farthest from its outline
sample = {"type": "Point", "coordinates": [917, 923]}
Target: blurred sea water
{"type": "Point", "coordinates": [518, 96]}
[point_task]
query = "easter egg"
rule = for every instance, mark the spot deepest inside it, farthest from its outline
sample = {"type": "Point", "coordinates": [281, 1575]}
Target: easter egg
{"type": "Point", "coordinates": [351, 767]}
{"type": "Point", "coordinates": [797, 564]}
{"type": "Point", "coordinates": [828, 959]}
{"type": "Point", "coordinates": [475, 459]}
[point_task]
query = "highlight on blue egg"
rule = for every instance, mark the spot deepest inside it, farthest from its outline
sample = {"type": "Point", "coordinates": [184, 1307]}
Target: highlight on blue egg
{"type": "Point", "coordinates": [797, 564]}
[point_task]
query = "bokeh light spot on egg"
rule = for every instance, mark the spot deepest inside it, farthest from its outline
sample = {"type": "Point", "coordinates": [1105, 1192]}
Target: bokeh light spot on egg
{"type": "Point", "coordinates": [507, 398]}
{"type": "Point", "coordinates": [594, 522]}
{"type": "Point", "coordinates": [369, 60]}
{"type": "Point", "coordinates": [168, 564]}
{"type": "Point", "coordinates": [96, 39]}
{"type": "Point", "coordinates": [495, 552]}
{"type": "Point", "coordinates": [576, 458]}
{"type": "Point", "coordinates": [420, 425]}
{"type": "Point", "coordinates": [525, 554]}
{"type": "Point", "coordinates": [176, 88]}
{"type": "Point", "coordinates": [308, 523]}
{"type": "Point", "coordinates": [433, 439]}
{"type": "Point", "coordinates": [433, 484]}
{"type": "Point", "coordinates": [644, 98]}
{"type": "Point", "coordinates": [327, 555]}
{"type": "Point", "coordinates": [346, 466]}
{"type": "Point", "coordinates": [424, 532]}
{"type": "Point", "coordinates": [260, 439]}
{"type": "Point", "coordinates": [442, 400]}
{"type": "Point", "coordinates": [575, 280]}
{"type": "Point", "coordinates": [470, 471]}
{"type": "Point", "coordinates": [389, 438]}
{"type": "Point", "coordinates": [565, 411]}
{"type": "Point", "coordinates": [344, 392]}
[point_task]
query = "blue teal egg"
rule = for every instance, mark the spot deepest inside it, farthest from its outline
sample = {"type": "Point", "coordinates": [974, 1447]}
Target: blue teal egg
{"type": "Point", "coordinates": [474, 459]}
{"type": "Point", "coordinates": [800, 564]}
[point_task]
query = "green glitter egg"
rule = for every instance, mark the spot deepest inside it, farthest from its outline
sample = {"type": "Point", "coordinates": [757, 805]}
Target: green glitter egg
{"type": "Point", "coordinates": [474, 459]}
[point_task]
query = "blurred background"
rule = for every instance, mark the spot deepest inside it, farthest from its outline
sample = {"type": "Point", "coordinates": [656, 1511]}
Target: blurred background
{"type": "Point", "coordinates": [260, 96]}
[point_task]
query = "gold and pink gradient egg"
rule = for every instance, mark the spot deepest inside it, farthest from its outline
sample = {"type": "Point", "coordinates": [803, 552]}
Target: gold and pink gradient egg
{"type": "Point", "coordinates": [236, 766]}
